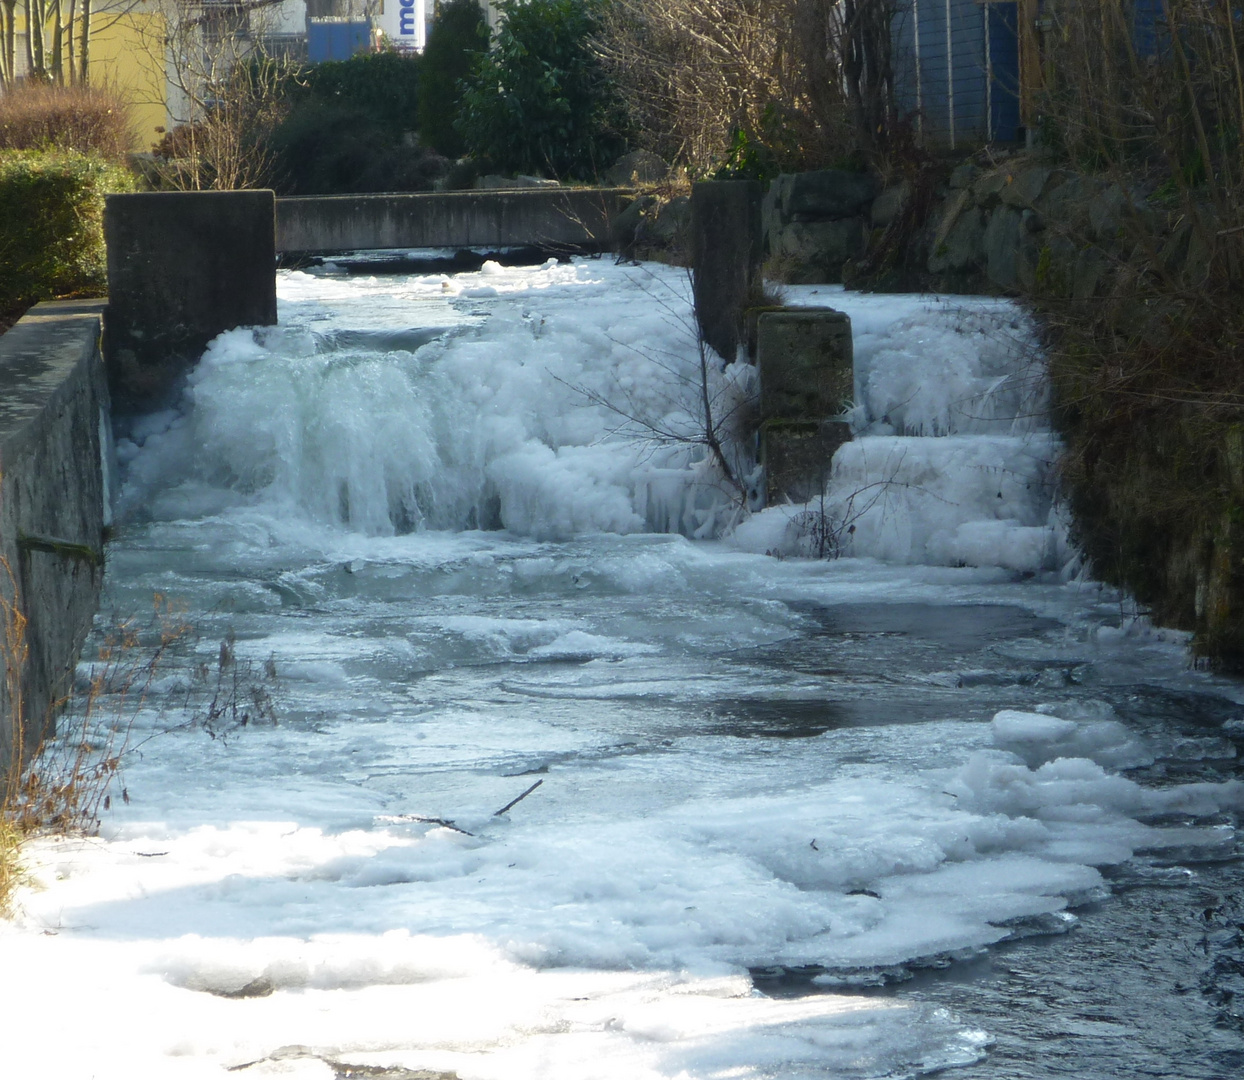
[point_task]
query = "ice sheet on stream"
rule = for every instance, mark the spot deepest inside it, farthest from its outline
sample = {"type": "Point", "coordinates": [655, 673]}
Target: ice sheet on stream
{"type": "Point", "coordinates": [567, 940]}
{"type": "Point", "coordinates": [338, 889]}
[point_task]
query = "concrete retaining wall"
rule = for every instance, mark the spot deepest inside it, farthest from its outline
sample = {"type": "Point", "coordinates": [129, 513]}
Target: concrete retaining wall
{"type": "Point", "coordinates": [53, 502]}
{"type": "Point", "coordinates": [572, 219]}
{"type": "Point", "coordinates": [726, 254]}
{"type": "Point", "coordinates": [183, 266]}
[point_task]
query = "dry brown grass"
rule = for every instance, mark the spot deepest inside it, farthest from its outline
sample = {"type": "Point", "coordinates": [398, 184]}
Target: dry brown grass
{"type": "Point", "coordinates": [89, 119]}
{"type": "Point", "coordinates": [62, 785]}
{"type": "Point", "coordinates": [1149, 378]}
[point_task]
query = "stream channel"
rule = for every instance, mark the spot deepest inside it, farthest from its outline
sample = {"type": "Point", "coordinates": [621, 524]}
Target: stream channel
{"type": "Point", "coordinates": [937, 802]}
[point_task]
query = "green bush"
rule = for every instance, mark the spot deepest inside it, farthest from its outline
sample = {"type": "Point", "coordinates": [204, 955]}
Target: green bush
{"type": "Point", "coordinates": [459, 34]}
{"type": "Point", "coordinates": [539, 100]}
{"type": "Point", "coordinates": [323, 148]}
{"type": "Point", "coordinates": [51, 224]}
{"type": "Point", "coordinates": [346, 129]}
{"type": "Point", "coordinates": [384, 86]}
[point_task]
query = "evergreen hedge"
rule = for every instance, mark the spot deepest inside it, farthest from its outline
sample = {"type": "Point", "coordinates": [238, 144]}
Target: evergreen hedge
{"type": "Point", "coordinates": [458, 36]}
{"type": "Point", "coordinates": [52, 224]}
{"type": "Point", "coordinates": [384, 86]}
{"type": "Point", "coordinates": [539, 100]}
{"type": "Point", "coordinates": [347, 129]}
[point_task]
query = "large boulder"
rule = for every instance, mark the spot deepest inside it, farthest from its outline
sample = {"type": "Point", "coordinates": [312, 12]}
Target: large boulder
{"type": "Point", "coordinates": [668, 227]}
{"type": "Point", "coordinates": [626, 227]}
{"type": "Point", "coordinates": [816, 251]}
{"type": "Point", "coordinates": [890, 204]}
{"type": "Point", "coordinates": [1002, 247]}
{"type": "Point", "coordinates": [1026, 187]}
{"type": "Point", "coordinates": [636, 168]}
{"type": "Point", "coordinates": [960, 246]}
{"type": "Point", "coordinates": [830, 194]}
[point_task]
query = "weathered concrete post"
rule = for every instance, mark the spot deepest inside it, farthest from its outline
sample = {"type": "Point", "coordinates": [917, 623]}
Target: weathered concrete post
{"type": "Point", "coordinates": [183, 266]}
{"type": "Point", "coordinates": [807, 381]}
{"type": "Point", "coordinates": [726, 254]}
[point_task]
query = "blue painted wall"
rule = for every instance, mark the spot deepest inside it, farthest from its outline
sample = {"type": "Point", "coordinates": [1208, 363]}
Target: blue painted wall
{"type": "Point", "coordinates": [1146, 16]}
{"type": "Point", "coordinates": [336, 40]}
{"type": "Point", "coordinates": [1003, 30]}
{"type": "Point", "coordinates": [958, 44]}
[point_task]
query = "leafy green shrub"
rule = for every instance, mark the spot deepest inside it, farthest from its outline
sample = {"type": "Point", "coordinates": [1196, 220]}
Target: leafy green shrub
{"type": "Point", "coordinates": [539, 101]}
{"type": "Point", "coordinates": [346, 129]}
{"type": "Point", "coordinates": [384, 86]}
{"type": "Point", "coordinates": [458, 36]}
{"type": "Point", "coordinates": [51, 223]}
{"type": "Point", "coordinates": [323, 148]}
{"type": "Point", "coordinates": [88, 119]}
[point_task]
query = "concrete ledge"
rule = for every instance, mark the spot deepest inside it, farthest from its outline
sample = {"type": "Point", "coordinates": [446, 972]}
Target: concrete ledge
{"type": "Point", "coordinates": [568, 219]}
{"type": "Point", "coordinates": [53, 502]}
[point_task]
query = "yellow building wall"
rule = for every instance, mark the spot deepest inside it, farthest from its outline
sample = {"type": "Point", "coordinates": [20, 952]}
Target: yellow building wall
{"type": "Point", "coordinates": [127, 53]}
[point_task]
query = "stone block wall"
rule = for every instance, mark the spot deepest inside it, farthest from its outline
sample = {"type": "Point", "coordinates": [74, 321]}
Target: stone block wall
{"type": "Point", "coordinates": [53, 506]}
{"type": "Point", "coordinates": [814, 223]}
{"type": "Point", "coordinates": [1024, 227]}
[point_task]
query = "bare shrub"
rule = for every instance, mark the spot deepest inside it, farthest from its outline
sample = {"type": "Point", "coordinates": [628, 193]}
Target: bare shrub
{"type": "Point", "coordinates": [1170, 102]}
{"type": "Point", "coordinates": [230, 694]}
{"type": "Point", "coordinates": [64, 784]}
{"type": "Point", "coordinates": [233, 106]}
{"type": "Point", "coordinates": [92, 120]}
{"type": "Point", "coordinates": [808, 82]}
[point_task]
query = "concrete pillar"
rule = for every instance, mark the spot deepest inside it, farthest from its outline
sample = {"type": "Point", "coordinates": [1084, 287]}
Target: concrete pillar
{"type": "Point", "coordinates": [806, 361]}
{"type": "Point", "coordinates": [182, 268]}
{"type": "Point", "coordinates": [797, 456]}
{"type": "Point", "coordinates": [807, 381]}
{"type": "Point", "coordinates": [726, 255]}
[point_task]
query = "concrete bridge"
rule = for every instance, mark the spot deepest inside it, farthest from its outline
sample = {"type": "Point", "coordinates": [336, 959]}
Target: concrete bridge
{"type": "Point", "coordinates": [558, 219]}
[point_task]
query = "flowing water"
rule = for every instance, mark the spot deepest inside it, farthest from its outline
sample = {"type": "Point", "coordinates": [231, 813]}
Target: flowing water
{"type": "Point", "coordinates": [937, 802]}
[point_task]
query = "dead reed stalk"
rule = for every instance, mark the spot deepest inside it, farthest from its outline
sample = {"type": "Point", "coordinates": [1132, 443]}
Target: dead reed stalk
{"type": "Point", "coordinates": [89, 119]}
